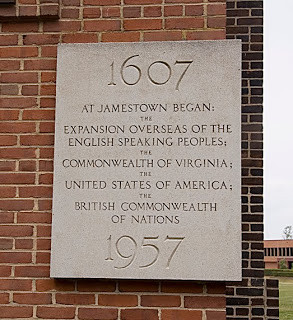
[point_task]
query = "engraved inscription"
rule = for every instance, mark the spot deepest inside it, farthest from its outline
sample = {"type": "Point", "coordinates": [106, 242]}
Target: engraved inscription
{"type": "Point", "coordinates": [147, 161]}
{"type": "Point", "coordinates": [126, 248]}
{"type": "Point", "coordinates": [154, 72]}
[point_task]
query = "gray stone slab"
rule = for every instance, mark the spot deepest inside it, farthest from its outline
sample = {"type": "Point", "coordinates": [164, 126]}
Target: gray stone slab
{"type": "Point", "coordinates": [147, 161]}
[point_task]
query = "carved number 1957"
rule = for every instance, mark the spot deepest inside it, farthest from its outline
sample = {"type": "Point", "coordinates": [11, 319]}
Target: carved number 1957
{"type": "Point", "coordinates": [126, 248]}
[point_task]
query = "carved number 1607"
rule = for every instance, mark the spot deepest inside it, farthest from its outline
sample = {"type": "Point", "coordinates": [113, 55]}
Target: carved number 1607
{"type": "Point", "coordinates": [151, 72]}
{"type": "Point", "coordinates": [126, 248]}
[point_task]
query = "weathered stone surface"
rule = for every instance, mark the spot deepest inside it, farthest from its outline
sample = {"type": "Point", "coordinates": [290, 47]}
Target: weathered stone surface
{"type": "Point", "coordinates": [147, 161]}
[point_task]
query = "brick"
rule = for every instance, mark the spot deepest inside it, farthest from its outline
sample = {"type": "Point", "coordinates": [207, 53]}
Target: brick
{"type": "Point", "coordinates": [49, 51]}
{"type": "Point", "coordinates": [42, 64]}
{"type": "Point", "coordinates": [18, 52]}
{"type": "Point", "coordinates": [194, 10]}
{"type": "Point", "coordinates": [17, 178]}
{"type": "Point", "coordinates": [53, 285]}
{"type": "Point", "coordinates": [203, 302]}
{"type": "Point", "coordinates": [79, 38]}
{"type": "Point", "coordinates": [206, 35]}
{"type": "Point", "coordinates": [41, 39]}
{"type": "Point", "coordinates": [27, 1]}
{"type": "Point", "coordinates": [181, 286]}
{"type": "Point", "coordinates": [8, 40]}
{"type": "Point", "coordinates": [181, 314]}
{"type": "Point", "coordinates": [64, 26]}
{"type": "Point", "coordinates": [216, 9]}
{"type": "Point", "coordinates": [37, 140]}
{"type": "Point", "coordinates": [183, 1]}
{"type": "Point", "coordinates": [16, 231]}
{"type": "Point", "coordinates": [9, 65]}
{"type": "Point", "coordinates": [28, 11]}
{"type": "Point", "coordinates": [20, 27]}
{"type": "Point", "coordinates": [75, 298]}
{"type": "Point", "coordinates": [33, 217]}
{"type": "Point", "coordinates": [55, 312]}
{"type": "Point", "coordinates": [184, 23]}
{"type": "Point", "coordinates": [216, 22]}
{"type": "Point", "coordinates": [46, 178]}
{"type": "Point", "coordinates": [7, 192]}
{"type": "Point", "coordinates": [27, 165]}
{"type": "Point", "coordinates": [160, 301]}
{"type": "Point", "coordinates": [110, 12]}
{"type": "Point", "coordinates": [46, 165]}
{"type": "Point", "coordinates": [142, 2]}
{"type": "Point", "coordinates": [143, 24]}
{"type": "Point", "coordinates": [18, 102]}
{"type": "Point", "coordinates": [47, 90]}
{"type": "Point", "coordinates": [71, 3]}
{"type": "Point", "coordinates": [91, 12]}
{"type": "Point", "coordinates": [6, 217]}
{"type": "Point", "coordinates": [152, 11]}
{"type": "Point", "coordinates": [51, 11]}
{"type": "Point", "coordinates": [29, 90]}
{"type": "Point", "coordinates": [20, 77]}
{"type": "Point", "coordinates": [32, 298]}
{"type": "Point", "coordinates": [43, 257]}
{"type": "Point", "coordinates": [44, 231]}
{"type": "Point", "coordinates": [5, 271]}
{"type": "Point", "coordinates": [95, 285]}
{"type": "Point", "coordinates": [48, 76]}
{"type": "Point", "coordinates": [17, 127]}
{"type": "Point", "coordinates": [45, 205]}
{"type": "Point", "coordinates": [9, 114]}
{"type": "Point", "coordinates": [97, 314]}
{"type": "Point", "coordinates": [37, 114]}
{"type": "Point", "coordinates": [135, 286]}
{"type": "Point", "coordinates": [216, 315]}
{"type": "Point", "coordinates": [35, 192]}
{"type": "Point", "coordinates": [7, 165]}
{"type": "Point", "coordinates": [15, 205]}
{"type": "Point", "coordinates": [15, 257]}
{"type": "Point", "coordinates": [43, 244]}
{"type": "Point", "coordinates": [18, 153]}
{"type": "Point", "coordinates": [47, 102]}
{"type": "Point", "coordinates": [32, 271]}
{"type": "Point", "coordinates": [49, 1]}
{"type": "Point", "coordinates": [6, 140]}
{"type": "Point", "coordinates": [173, 11]}
{"type": "Point", "coordinates": [134, 314]}
{"type": "Point", "coordinates": [47, 127]}
{"type": "Point", "coordinates": [117, 300]}
{"type": "Point", "coordinates": [70, 13]}
{"type": "Point", "coordinates": [12, 312]}
{"type": "Point", "coordinates": [47, 153]}
{"type": "Point", "coordinates": [5, 244]}
{"type": "Point", "coordinates": [131, 12]}
{"type": "Point", "coordinates": [8, 12]}
{"type": "Point", "coordinates": [102, 2]}
{"type": "Point", "coordinates": [23, 244]}
{"type": "Point", "coordinates": [15, 285]}
{"type": "Point", "coordinates": [216, 288]}
{"type": "Point", "coordinates": [4, 298]}
{"type": "Point", "coordinates": [102, 25]}
{"type": "Point", "coordinates": [120, 36]}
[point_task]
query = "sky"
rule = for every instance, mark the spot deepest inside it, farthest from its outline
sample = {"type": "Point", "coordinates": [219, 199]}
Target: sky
{"type": "Point", "coordinates": [278, 117]}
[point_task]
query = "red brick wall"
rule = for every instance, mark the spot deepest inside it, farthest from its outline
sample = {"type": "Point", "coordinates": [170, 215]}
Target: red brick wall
{"type": "Point", "coordinates": [28, 43]}
{"type": "Point", "coordinates": [254, 298]}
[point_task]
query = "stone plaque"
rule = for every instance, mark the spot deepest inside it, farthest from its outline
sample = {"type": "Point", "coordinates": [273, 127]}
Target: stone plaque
{"type": "Point", "coordinates": [147, 161]}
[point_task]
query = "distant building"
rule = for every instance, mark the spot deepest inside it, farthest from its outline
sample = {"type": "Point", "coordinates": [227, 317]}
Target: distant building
{"type": "Point", "coordinates": [277, 250]}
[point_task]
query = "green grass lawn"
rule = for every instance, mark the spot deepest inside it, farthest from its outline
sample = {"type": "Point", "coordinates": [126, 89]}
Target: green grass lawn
{"type": "Point", "coordinates": [286, 298]}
